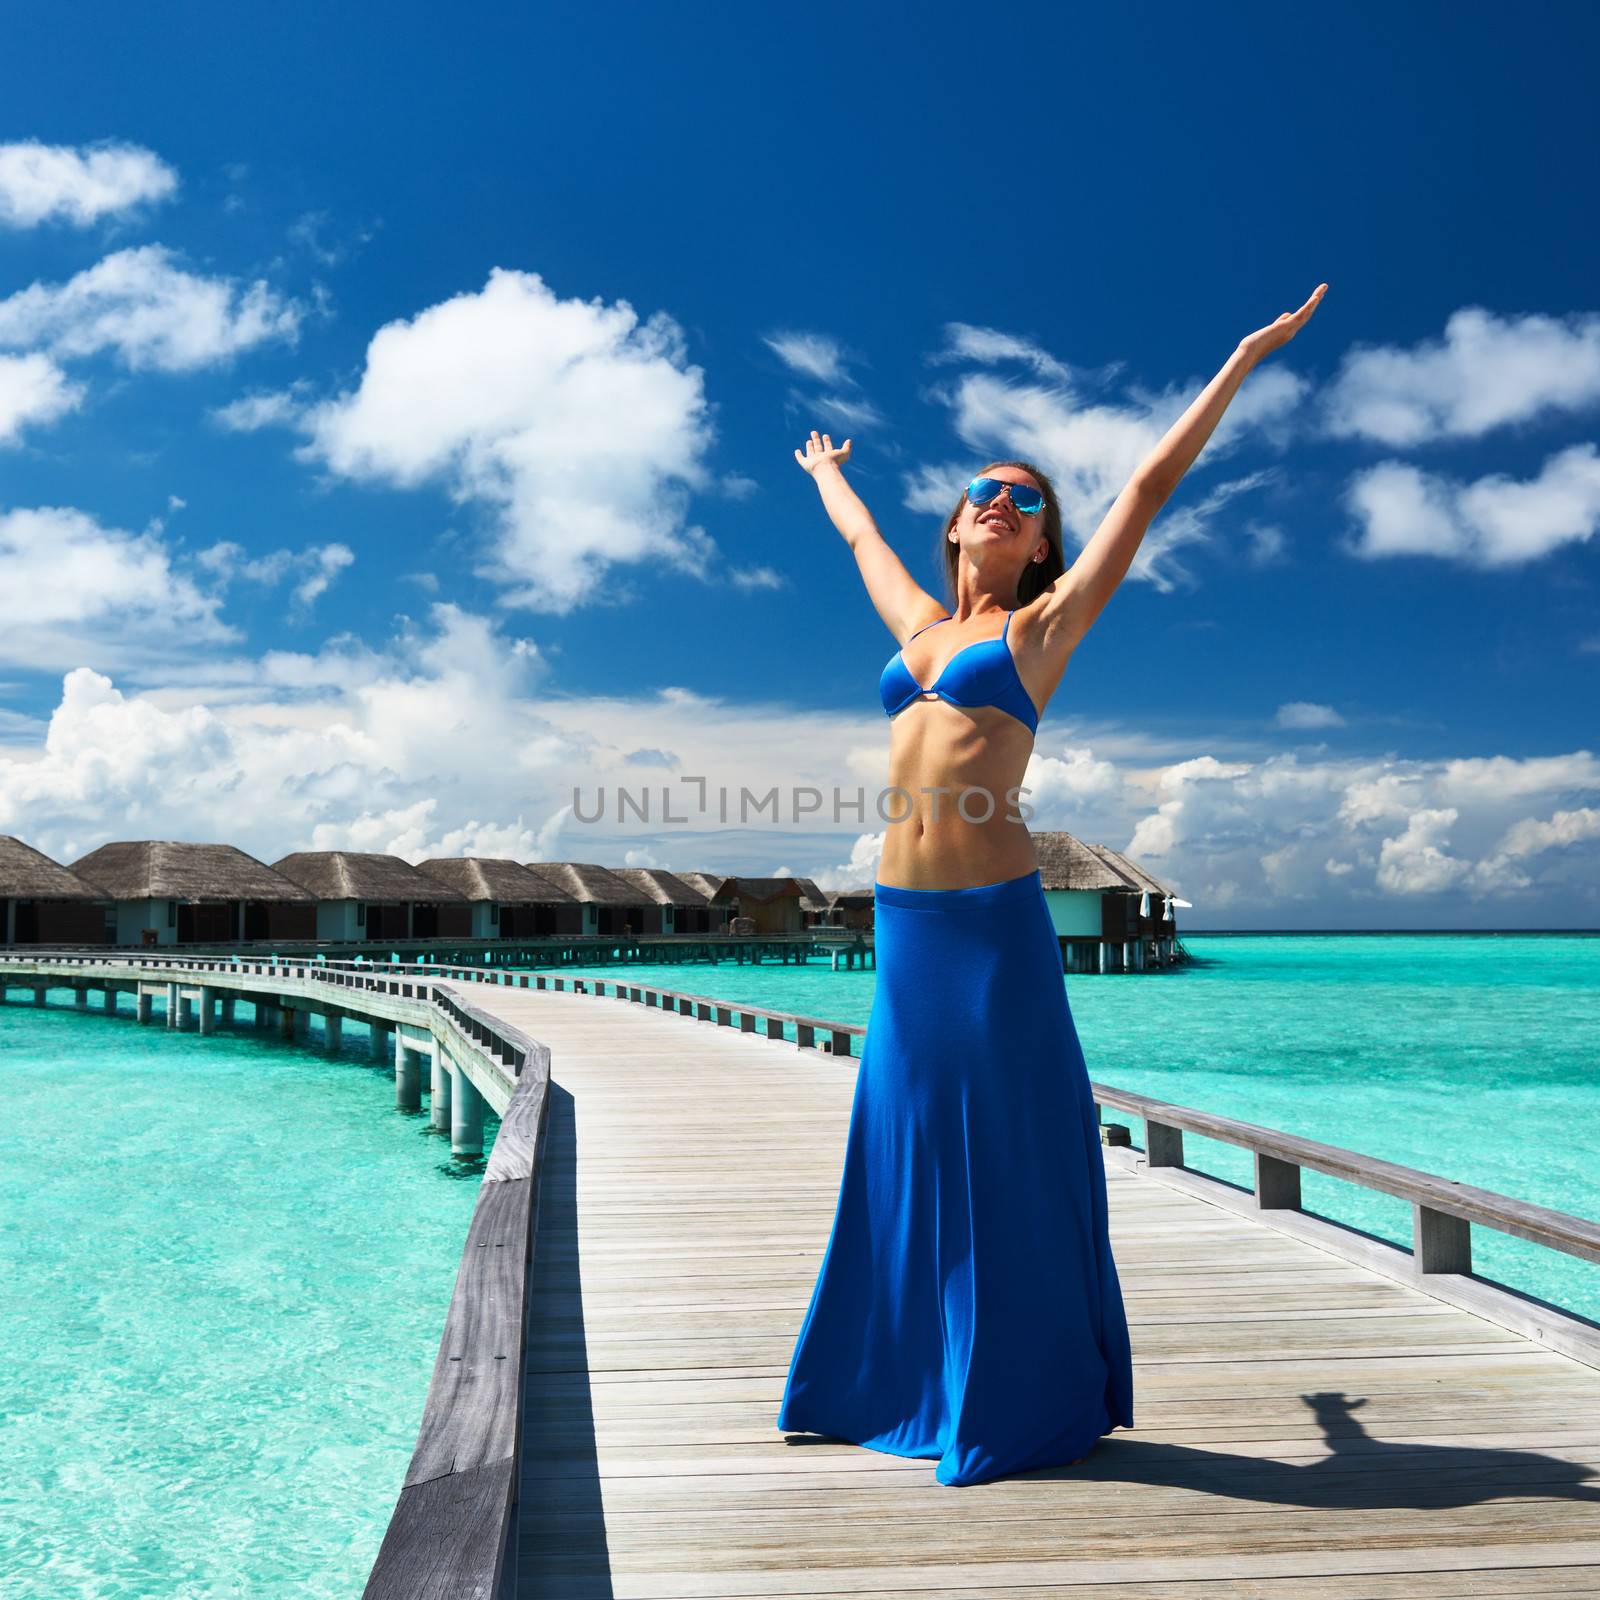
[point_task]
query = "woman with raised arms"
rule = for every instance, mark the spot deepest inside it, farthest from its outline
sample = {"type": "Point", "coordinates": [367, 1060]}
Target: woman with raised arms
{"type": "Point", "coordinates": [967, 1309]}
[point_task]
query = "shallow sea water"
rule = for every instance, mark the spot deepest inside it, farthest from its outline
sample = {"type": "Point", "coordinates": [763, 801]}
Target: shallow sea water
{"type": "Point", "coordinates": [224, 1273]}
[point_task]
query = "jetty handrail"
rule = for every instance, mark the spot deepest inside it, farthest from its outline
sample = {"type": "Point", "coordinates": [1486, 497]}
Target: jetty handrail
{"type": "Point", "coordinates": [704, 1006]}
{"type": "Point", "coordinates": [1280, 1156]}
{"type": "Point", "coordinates": [453, 1528]}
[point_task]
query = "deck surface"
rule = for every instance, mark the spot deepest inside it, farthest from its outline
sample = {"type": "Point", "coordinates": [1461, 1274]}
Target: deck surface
{"type": "Point", "coordinates": [1306, 1428]}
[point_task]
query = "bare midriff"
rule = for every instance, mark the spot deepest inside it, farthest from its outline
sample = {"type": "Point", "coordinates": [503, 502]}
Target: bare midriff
{"type": "Point", "coordinates": [954, 814]}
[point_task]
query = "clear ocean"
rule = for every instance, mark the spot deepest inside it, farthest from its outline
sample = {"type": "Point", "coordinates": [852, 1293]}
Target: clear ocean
{"type": "Point", "coordinates": [224, 1273]}
{"type": "Point", "coordinates": [226, 1261]}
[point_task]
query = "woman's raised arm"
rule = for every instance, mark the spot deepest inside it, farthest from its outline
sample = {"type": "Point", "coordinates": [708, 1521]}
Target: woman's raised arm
{"type": "Point", "coordinates": [1081, 592]}
{"type": "Point", "coordinates": [900, 600]}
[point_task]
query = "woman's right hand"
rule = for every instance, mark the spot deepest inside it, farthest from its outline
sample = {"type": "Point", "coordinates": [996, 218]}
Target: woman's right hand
{"type": "Point", "coordinates": [819, 449]}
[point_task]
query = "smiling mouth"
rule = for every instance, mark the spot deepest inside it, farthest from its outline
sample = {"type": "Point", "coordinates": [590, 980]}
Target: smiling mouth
{"type": "Point", "coordinates": [996, 520]}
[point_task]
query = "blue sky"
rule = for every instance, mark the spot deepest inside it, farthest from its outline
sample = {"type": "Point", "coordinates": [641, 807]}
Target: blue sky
{"type": "Point", "coordinates": [396, 427]}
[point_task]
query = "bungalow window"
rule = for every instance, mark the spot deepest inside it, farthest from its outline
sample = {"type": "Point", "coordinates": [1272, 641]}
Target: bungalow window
{"type": "Point", "coordinates": [361, 905]}
{"type": "Point", "coordinates": [494, 908]}
{"type": "Point", "coordinates": [172, 913]}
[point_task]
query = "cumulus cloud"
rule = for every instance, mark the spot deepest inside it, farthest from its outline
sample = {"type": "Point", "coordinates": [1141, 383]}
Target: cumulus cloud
{"type": "Point", "coordinates": [578, 427]}
{"type": "Point", "coordinates": [1091, 448]}
{"type": "Point", "coordinates": [1415, 861]}
{"type": "Point", "coordinates": [448, 737]}
{"type": "Point", "coordinates": [1486, 372]}
{"type": "Point", "coordinates": [33, 391]}
{"type": "Point", "coordinates": [73, 591]}
{"type": "Point", "coordinates": [77, 184]}
{"type": "Point", "coordinates": [1531, 836]}
{"type": "Point", "coordinates": [1494, 521]}
{"type": "Point", "coordinates": [149, 312]}
{"type": "Point", "coordinates": [1357, 831]}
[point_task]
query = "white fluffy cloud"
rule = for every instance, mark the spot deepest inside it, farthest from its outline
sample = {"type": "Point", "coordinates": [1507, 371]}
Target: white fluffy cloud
{"type": "Point", "coordinates": [1486, 372]}
{"type": "Point", "coordinates": [579, 427]}
{"type": "Point", "coordinates": [1494, 521]}
{"type": "Point", "coordinates": [1344, 833]}
{"type": "Point", "coordinates": [148, 311]}
{"type": "Point", "coordinates": [33, 391]}
{"type": "Point", "coordinates": [73, 591]}
{"type": "Point", "coordinates": [77, 184]}
{"type": "Point", "coordinates": [1090, 448]}
{"type": "Point", "coordinates": [452, 738]}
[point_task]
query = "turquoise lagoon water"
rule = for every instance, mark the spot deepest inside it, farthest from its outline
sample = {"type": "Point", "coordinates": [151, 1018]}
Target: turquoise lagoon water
{"type": "Point", "coordinates": [1475, 1057]}
{"type": "Point", "coordinates": [224, 1272]}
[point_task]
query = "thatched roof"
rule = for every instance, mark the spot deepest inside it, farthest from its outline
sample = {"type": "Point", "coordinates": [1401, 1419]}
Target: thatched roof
{"type": "Point", "coordinates": [493, 878]}
{"type": "Point", "coordinates": [663, 887]}
{"type": "Point", "coordinates": [26, 874]}
{"type": "Point", "coordinates": [1069, 863]}
{"type": "Point", "coordinates": [1141, 879]}
{"type": "Point", "coordinates": [586, 881]}
{"type": "Point", "coordinates": [706, 882]}
{"type": "Point", "coordinates": [360, 875]}
{"type": "Point", "coordinates": [851, 897]}
{"type": "Point", "coordinates": [166, 869]}
{"type": "Point", "coordinates": [759, 890]}
{"type": "Point", "coordinates": [811, 897]}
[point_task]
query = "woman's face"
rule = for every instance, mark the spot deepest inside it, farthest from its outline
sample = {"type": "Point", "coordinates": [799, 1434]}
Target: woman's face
{"type": "Point", "coordinates": [999, 525]}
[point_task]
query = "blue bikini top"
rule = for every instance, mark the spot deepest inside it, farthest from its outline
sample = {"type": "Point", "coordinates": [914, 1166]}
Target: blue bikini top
{"type": "Point", "coordinates": [980, 674]}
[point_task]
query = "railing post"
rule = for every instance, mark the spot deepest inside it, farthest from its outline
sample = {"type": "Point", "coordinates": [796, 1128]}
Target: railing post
{"type": "Point", "coordinates": [1163, 1145]}
{"type": "Point", "coordinates": [1440, 1242]}
{"type": "Point", "coordinates": [1277, 1183]}
{"type": "Point", "coordinates": [804, 1034]}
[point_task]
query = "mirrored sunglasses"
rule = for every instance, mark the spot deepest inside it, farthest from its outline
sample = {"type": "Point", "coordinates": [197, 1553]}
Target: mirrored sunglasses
{"type": "Point", "coordinates": [1027, 500]}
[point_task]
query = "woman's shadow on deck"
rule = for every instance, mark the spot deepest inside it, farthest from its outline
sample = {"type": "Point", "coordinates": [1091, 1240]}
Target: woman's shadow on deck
{"type": "Point", "coordinates": [1360, 1473]}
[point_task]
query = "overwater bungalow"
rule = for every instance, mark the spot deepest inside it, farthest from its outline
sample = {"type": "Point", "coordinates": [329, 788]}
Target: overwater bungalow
{"type": "Point", "coordinates": [1109, 913]}
{"type": "Point", "coordinates": [850, 908]}
{"type": "Point", "coordinates": [606, 903]}
{"type": "Point", "coordinates": [814, 903]}
{"type": "Point", "coordinates": [774, 905]}
{"type": "Point", "coordinates": [44, 903]}
{"type": "Point", "coordinates": [166, 891]}
{"type": "Point", "coordinates": [362, 894]}
{"type": "Point", "coordinates": [671, 905]}
{"type": "Point", "coordinates": [711, 918]}
{"type": "Point", "coordinates": [499, 898]}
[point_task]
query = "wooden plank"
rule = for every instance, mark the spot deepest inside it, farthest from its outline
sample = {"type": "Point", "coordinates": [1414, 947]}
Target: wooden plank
{"type": "Point", "coordinates": [1306, 1426]}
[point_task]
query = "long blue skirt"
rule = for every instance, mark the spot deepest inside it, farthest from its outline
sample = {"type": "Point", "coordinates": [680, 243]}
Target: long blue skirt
{"type": "Point", "coordinates": [967, 1309]}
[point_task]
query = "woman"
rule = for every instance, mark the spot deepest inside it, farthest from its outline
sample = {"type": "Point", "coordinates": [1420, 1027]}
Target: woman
{"type": "Point", "coordinates": [967, 1309]}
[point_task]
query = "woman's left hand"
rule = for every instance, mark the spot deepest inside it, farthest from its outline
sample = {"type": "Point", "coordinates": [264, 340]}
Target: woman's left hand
{"type": "Point", "coordinates": [1265, 340]}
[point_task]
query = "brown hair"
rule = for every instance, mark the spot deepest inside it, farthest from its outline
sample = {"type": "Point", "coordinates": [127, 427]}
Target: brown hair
{"type": "Point", "coordinates": [1037, 576]}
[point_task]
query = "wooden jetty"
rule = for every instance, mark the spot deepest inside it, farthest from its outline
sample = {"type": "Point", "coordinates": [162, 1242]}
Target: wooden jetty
{"type": "Point", "coordinates": [1319, 1413]}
